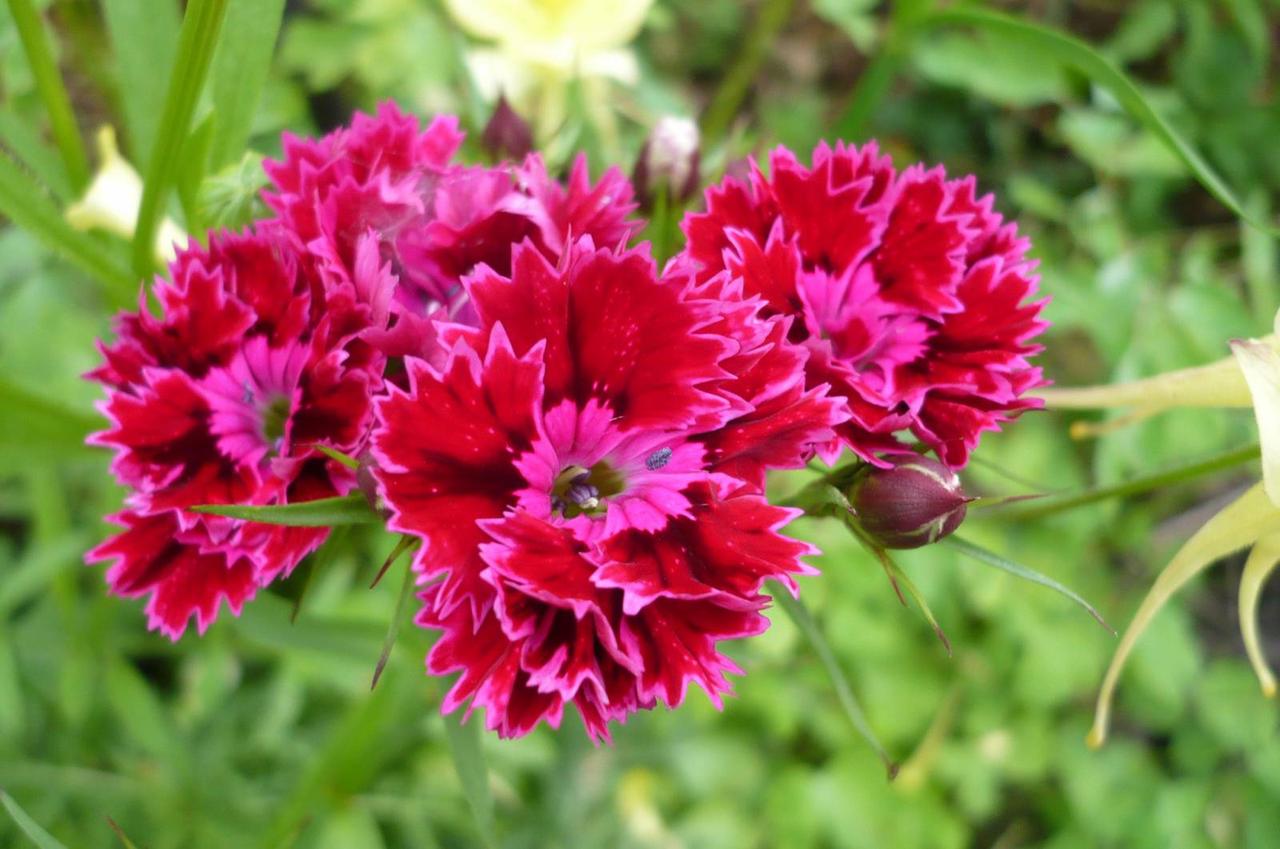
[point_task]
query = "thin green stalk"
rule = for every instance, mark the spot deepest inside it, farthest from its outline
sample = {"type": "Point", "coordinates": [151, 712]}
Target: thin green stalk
{"type": "Point", "coordinates": [1217, 463]}
{"type": "Point", "coordinates": [196, 43]}
{"type": "Point", "coordinates": [803, 619]}
{"type": "Point", "coordinates": [735, 84]}
{"type": "Point", "coordinates": [878, 76]}
{"type": "Point", "coordinates": [62, 121]}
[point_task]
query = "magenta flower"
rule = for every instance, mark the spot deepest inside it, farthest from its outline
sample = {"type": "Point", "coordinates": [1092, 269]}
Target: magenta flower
{"type": "Point", "coordinates": [569, 471]}
{"type": "Point", "coordinates": [274, 342]}
{"type": "Point", "coordinates": [389, 216]}
{"type": "Point", "coordinates": [912, 296]}
{"type": "Point", "coordinates": [223, 400]}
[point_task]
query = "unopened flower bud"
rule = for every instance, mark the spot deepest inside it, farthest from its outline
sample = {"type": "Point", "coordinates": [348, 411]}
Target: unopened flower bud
{"type": "Point", "coordinates": [915, 502]}
{"type": "Point", "coordinates": [507, 135]}
{"type": "Point", "coordinates": [669, 162]}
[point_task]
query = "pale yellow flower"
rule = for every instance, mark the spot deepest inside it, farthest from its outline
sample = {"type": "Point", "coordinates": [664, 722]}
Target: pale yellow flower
{"type": "Point", "coordinates": [1248, 378]}
{"type": "Point", "coordinates": [538, 47]}
{"type": "Point", "coordinates": [112, 201]}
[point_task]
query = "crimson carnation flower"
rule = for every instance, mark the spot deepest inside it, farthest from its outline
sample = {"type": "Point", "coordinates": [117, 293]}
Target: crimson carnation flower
{"type": "Point", "coordinates": [584, 469]}
{"type": "Point", "coordinates": [912, 296]}
{"type": "Point", "coordinates": [389, 216]}
{"type": "Point", "coordinates": [223, 400]}
{"type": "Point", "coordinates": [275, 341]}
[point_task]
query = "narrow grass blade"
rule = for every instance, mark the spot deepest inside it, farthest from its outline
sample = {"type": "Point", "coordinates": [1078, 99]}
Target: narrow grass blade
{"type": "Point", "coordinates": [240, 68]}
{"type": "Point", "coordinates": [120, 835]}
{"type": "Point", "coordinates": [990, 558]}
{"type": "Point", "coordinates": [803, 619]}
{"type": "Point", "coordinates": [322, 512]}
{"type": "Point", "coordinates": [196, 43]}
{"type": "Point", "coordinates": [28, 826]}
{"type": "Point", "coordinates": [1241, 523]}
{"type": "Point", "coordinates": [24, 203]}
{"type": "Point", "coordinates": [44, 70]}
{"type": "Point", "coordinates": [738, 80]}
{"type": "Point", "coordinates": [1125, 489]}
{"type": "Point", "coordinates": [876, 80]}
{"type": "Point", "coordinates": [468, 760]}
{"type": "Point", "coordinates": [144, 37]}
{"type": "Point", "coordinates": [406, 543]}
{"type": "Point", "coordinates": [901, 579]}
{"type": "Point", "coordinates": [1261, 563]}
{"type": "Point", "coordinates": [393, 628]}
{"type": "Point", "coordinates": [1084, 59]}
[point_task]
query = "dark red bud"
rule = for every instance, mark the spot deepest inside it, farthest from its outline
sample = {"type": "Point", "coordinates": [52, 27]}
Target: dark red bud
{"type": "Point", "coordinates": [669, 161]}
{"type": "Point", "coordinates": [507, 135]}
{"type": "Point", "coordinates": [915, 502]}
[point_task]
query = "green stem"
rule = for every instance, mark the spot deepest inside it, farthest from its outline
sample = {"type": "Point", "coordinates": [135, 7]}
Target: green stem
{"type": "Point", "coordinates": [1217, 463]}
{"type": "Point", "coordinates": [62, 121]}
{"type": "Point", "coordinates": [735, 84]}
{"type": "Point", "coordinates": [196, 42]}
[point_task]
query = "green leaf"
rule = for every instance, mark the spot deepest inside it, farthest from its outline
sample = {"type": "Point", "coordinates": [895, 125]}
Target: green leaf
{"type": "Point", "coordinates": [800, 615]}
{"type": "Point", "coordinates": [351, 509]}
{"type": "Point", "coordinates": [338, 457]}
{"type": "Point", "coordinates": [196, 42]}
{"type": "Point", "coordinates": [25, 143]}
{"type": "Point", "coordinates": [27, 825]}
{"type": "Point", "coordinates": [983, 555]}
{"type": "Point", "coordinates": [468, 760]}
{"type": "Point", "coordinates": [37, 428]}
{"type": "Point", "coordinates": [240, 68]}
{"type": "Point", "coordinates": [26, 205]}
{"type": "Point", "coordinates": [44, 70]}
{"type": "Point", "coordinates": [1092, 64]}
{"type": "Point", "coordinates": [194, 160]}
{"type": "Point", "coordinates": [144, 37]}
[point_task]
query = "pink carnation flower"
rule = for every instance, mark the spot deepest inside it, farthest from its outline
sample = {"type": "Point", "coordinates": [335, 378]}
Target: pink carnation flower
{"type": "Point", "coordinates": [584, 469]}
{"type": "Point", "coordinates": [223, 400]}
{"type": "Point", "coordinates": [389, 215]}
{"type": "Point", "coordinates": [912, 296]}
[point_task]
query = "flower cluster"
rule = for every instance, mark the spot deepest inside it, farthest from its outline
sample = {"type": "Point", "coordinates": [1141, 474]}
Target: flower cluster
{"type": "Point", "coordinates": [579, 439]}
{"type": "Point", "coordinates": [910, 293]}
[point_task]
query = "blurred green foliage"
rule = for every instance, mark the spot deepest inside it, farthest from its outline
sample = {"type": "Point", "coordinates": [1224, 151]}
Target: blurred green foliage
{"type": "Point", "coordinates": [264, 732]}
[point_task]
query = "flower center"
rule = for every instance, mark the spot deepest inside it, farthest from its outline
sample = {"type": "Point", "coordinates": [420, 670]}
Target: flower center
{"type": "Point", "coordinates": [579, 491]}
{"type": "Point", "coordinates": [274, 416]}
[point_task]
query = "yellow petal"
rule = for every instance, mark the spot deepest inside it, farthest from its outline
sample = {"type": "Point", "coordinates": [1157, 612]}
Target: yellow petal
{"type": "Point", "coordinates": [588, 25]}
{"type": "Point", "coordinates": [1261, 367]}
{"type": "Point", "coordinates": [1246, 520]}
{"type": "Point", "coordinates": [1218, 384]}
{"type": "Point", "coordinates": [1263, 559]}
{"type": "Point", "coordinates": [112, 201]}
